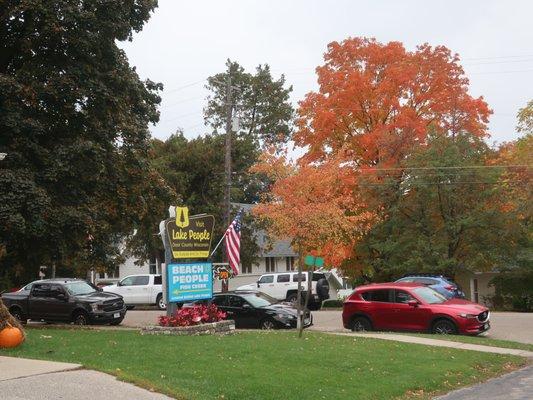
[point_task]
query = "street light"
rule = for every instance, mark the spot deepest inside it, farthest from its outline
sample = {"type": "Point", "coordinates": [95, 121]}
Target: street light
{"type": "Point", "coordinates": [2, 156]}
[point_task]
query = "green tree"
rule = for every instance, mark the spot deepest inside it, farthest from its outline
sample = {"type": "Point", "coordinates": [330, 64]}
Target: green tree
{"type": "Point", "coordinates": [444, 211]}
{"type": "Point", "coordinates": [260, 102]}
{"type": "Point", "coordinates": [73, 122]}
{"type": "Point", "coordinates": [194, 169]}
{"type": "Point", "coordinates": [525, 119]}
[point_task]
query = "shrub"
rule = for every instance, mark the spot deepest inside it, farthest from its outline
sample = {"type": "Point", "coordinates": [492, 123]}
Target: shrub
{"type": "Point", "coordinates": [196, 315]}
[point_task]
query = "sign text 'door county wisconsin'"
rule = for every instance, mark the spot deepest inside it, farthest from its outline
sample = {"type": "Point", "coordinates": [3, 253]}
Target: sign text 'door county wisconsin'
{"type": "Point", "coordinates": [190, 237]}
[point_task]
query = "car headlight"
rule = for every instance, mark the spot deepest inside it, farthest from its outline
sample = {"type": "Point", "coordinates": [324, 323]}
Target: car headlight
{"type": "Point", "coordinates": [465, 315]}
{"type": "Point", "coordinates": [285, 316]}
{"type": "Point", "coordinates": [97, 306]}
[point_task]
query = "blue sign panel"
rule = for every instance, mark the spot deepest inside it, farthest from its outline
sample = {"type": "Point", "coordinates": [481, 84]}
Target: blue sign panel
{"type": "Point", "coordinates": [190, 281]}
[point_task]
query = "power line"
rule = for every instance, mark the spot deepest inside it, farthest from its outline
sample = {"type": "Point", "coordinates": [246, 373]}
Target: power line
{"type": "Point", "coordinates": [444, 167]}
{"type": "Point", "coordinates": [184, 86]}
{"type": "Point", "coordinates": [500, 72]}
{"type": "Point", "coordinates": [498, 57]}
{"type": "Point", "coordinates": [183, 101]}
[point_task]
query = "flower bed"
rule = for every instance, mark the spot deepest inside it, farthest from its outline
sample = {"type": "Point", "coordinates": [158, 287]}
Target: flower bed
{"type": "Point", "coordinates": [211, 328]}
{"type": "Point", "coordinates": [189, 316]}
{"type": "Point", "coordinates": [196, 320]}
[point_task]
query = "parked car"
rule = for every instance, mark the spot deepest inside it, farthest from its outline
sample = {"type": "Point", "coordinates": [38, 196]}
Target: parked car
{"type": "Point", "coordinates": [402, 306]}
{"type": "Point", "coordinates": [253, 309]}
{"type": "Point", "coordinates": [445, 286]}
{"type": "Point", "coordinates": [28, 287]}
{"type": "Point", "coordinates": [284, 286]}
{"type": "Point", "coordinates": [65, 300]}
{"type": "Point", "coordinates": [146, 289]}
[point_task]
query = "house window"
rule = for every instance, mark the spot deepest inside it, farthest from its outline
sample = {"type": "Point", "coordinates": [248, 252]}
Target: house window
{"type": "Point", "coordinates": [270, 263]}
{"type": "Point", "coordinates": [289, 262]}
{"type": "Point", "coordinates": [246, 269]}
{"type": "Point", "coordinates": [152, 266]}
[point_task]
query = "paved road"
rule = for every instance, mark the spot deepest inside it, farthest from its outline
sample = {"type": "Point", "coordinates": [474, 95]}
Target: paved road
{"type": "Point", "coordinates": [517, 385]}
{"type": "Point", "coordinates": [504, 325]}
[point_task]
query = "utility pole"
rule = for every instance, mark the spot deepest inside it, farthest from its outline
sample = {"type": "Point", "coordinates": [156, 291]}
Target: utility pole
{"type": "Point", "coordinates": [227, 165]}
{"type": "Point", "coordinates": [227, 159]}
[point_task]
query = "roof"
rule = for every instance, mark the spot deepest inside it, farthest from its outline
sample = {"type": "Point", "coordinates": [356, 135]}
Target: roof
{"type": "Point", "coordinates": [267, 248]}
{"type": "Point", "coordinates": [389, 285]}
{"type": "Point", "coordinates": [58, 280]}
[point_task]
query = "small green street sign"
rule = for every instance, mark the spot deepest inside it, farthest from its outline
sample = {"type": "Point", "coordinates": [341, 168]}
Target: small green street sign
{"type": "Point", "coordinates": [313, 261]}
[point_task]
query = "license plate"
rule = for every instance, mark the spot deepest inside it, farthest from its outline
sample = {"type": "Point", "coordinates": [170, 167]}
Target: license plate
{"type": "Point", "coordinates": [116, 315]}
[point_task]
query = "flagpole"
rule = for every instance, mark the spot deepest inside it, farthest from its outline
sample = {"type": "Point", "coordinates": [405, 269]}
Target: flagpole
{"type": "Point", "coordinates": [218, 244]}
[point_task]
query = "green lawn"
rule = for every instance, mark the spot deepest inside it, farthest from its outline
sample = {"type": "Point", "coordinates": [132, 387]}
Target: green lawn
{"type": "Point", "coordinates": [273, 365]}
{"type": "Point", "coordinates": [482, 340]}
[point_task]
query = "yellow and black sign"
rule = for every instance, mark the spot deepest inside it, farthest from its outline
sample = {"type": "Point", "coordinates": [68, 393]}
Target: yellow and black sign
{"type": "Point", "coordinates": [190, 237]}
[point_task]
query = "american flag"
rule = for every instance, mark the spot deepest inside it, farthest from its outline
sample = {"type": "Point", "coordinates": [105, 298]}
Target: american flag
{"type": "Point", "coordinates": [233, 243]}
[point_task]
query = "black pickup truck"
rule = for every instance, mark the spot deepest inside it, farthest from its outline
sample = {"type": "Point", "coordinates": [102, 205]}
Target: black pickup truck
{"type": "Point", "coordinates": [65, 300]}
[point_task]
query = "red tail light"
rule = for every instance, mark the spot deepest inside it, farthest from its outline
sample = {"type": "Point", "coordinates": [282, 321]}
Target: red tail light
{"type": "Point", "coordinates": [449, 287]}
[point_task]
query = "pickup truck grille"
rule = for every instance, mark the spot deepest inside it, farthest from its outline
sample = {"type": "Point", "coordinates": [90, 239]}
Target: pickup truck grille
{"type": "Point", "coordinates": [113, 305]}
{"type": "Point", "coordinates": [483, 317]}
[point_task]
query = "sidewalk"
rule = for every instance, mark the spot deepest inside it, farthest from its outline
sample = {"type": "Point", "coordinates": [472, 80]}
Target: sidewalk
{"type": "Point", "coordinates": [23, 379]}
{"type": "Point", "coordinates": [517, 385]}
{"type": "Point", "coordinates": [439, 343]}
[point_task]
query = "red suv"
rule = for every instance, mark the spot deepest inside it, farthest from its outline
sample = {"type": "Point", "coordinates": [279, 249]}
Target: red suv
{"type": "Point", "coordinates": [411, 307]}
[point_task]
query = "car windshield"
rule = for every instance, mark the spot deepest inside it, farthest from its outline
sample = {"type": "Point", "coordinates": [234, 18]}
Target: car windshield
{"type": "Point", "coordinates": [429, 295]}
{"type": "Point", "coordinates": [259, 299]}
{"type": "Point", "coordinates": [79, 288]}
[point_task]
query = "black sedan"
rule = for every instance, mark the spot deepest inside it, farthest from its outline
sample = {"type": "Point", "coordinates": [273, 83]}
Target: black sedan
{"type": "Point", "coordinates": [252, 309]}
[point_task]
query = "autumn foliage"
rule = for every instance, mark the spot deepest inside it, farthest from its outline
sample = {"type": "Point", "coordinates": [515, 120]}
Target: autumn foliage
{"type": "Point", "coordinates": [376, 103]}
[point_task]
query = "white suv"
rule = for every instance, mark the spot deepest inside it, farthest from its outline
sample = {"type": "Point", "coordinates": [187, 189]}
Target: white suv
{"type": "Point", "coordinates": [140, 289]}
{"type": "Point", "coordinates": [284, 286]}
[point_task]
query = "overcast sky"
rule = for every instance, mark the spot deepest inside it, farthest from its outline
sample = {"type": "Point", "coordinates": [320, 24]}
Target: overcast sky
{"type": "Point", "coordinates": [186, 41]}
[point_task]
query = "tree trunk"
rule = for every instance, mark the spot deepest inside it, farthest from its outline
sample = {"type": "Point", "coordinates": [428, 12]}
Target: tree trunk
{"type": "Point", "coordinates": [299, 311]}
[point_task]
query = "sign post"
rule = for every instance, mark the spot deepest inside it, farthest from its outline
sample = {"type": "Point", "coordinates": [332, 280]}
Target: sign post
{"type": "Point", "coordinates": [186, 240]}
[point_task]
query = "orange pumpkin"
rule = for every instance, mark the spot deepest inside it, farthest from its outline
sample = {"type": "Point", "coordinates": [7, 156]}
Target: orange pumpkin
{"type": "Point", "coordinates": [11, 337]}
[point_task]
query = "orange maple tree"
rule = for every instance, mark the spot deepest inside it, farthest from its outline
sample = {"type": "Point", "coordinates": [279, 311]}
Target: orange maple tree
{"type": "Point", "coordinates": [376, 103]}
{"type": "Point", "coordinates": [308, 204]}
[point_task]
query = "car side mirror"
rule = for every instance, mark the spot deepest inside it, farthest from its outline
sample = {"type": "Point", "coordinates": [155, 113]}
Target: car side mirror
{"type": "Point", "coordinates": [413, 303]}
{"type": "Point", "coordinates": [257, 283]}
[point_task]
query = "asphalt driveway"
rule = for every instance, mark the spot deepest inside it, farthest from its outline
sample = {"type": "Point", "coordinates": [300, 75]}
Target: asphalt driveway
{"type": "Point", "coordinates": [513, 326]}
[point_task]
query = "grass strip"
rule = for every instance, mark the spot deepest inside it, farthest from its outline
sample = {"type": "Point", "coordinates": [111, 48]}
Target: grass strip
{"type": "Point", "coordinates": [268, 365]}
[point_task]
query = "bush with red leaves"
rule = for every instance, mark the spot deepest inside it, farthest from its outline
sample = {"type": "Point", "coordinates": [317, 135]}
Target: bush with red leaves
{"type": "Point", "coordinates": [196, 315]}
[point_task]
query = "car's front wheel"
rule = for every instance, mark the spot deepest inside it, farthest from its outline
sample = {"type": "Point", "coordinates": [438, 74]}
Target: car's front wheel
{"type": "Point", "coordinates": [268, 324]}
{"type": "Point", "coordinates": [81, 318]}
{"type": "Point", "coordinates": [361, 324]}
{"type": "Point", "coordinates": [444, 327]}
{"type": "Point", "coordinates": [160, 303]}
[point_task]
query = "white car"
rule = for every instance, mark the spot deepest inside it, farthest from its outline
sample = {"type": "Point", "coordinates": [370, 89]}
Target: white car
{"type": "Point", "coordinates": [284, 286]}
{"type": "Point", "coordinates": [140, 289]}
